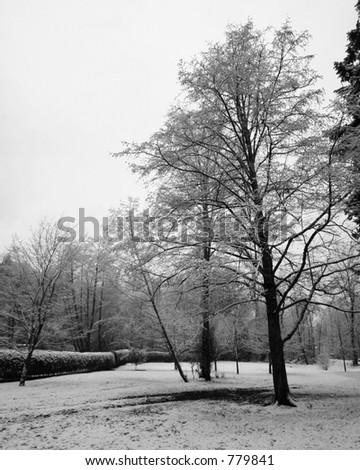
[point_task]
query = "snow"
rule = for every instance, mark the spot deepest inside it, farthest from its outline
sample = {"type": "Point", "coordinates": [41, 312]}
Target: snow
{"type": "Point", "coordinates": [147, 409]}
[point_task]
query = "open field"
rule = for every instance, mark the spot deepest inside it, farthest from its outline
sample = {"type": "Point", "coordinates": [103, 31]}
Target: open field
{"type": "Point", "coordinates": [151, 408]}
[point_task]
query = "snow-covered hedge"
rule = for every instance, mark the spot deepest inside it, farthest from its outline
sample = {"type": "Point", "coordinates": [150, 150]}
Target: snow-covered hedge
{"type": "Point", "coordinates": [10, 363]}
{"type": "Point", "coordinates": [46, 363]}
{"type": "Point", "coordinates": [158, 356]}
{"type": "Point", "coordinates": [121, 357]}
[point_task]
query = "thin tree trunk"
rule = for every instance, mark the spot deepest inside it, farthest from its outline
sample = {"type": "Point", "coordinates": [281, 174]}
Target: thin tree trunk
{"type": "Point", "coordinates": [100, 315]}
{"type": "Point", "coordinates": [205, 360]}
{"type": "Point", "coordinates": [206, 353]}
{"type": "Point", "coordinates": [94, 297]}
{"type": "Point", "coordinates": [82, 315]}
{"type": "Point", "coordinates": [157, 313]}
{"type": "Point", "coordinates": [236, 353]}
{"type": "Point", "coordinates": [302, 347]}
{"type": "Point", "coordinates": [77, 340]}
{"type": "Point", "coordinates": [311, 341]}
{"type": "Point", "coordinates": [342, 348]}
{"type": "Point", "coordinates": [26, 367]}
{"type": "Point", "coordinates": [11, 323]}
{"type": "Point", "coordinates": [168, 342]}
{"type": "Point", "coordinates": [355, 359]}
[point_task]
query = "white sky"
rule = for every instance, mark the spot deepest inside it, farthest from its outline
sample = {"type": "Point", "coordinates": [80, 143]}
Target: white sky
{"type": "Point", "coordinates": [77, 77]}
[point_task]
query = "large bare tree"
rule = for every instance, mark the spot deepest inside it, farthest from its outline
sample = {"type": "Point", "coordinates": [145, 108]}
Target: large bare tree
{"type": "Point", "coordinates": [250, 122]}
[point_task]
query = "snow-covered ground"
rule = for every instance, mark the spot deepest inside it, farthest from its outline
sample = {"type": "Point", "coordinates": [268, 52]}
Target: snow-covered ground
{"type": "Point", "coordinates": [151, 408]}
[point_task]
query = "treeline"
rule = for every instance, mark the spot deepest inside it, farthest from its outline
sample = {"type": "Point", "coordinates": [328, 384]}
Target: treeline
{"type": "Point", "coordinates": [99, 303]}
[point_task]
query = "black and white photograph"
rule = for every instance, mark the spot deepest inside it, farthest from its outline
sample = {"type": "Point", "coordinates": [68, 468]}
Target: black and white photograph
{"type": "Point", "coordinates": [179, 230]}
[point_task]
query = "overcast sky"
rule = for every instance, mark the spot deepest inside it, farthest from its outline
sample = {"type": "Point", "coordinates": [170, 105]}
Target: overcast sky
{"type": "Point", "coordinates": [78, 77]}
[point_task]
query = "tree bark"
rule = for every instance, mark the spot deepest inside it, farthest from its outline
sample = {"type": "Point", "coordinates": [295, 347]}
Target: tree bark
{"type": "Point", "coordinates": [355, 358]}
{"type": "Point", "coordinates": [281, 386]}
{"type": "Point", "coordinates": [205, 361]}
{"type": "Point", "coordinates": [276, 344]}
{"type": "Point", "coordinates": [302, 347]}
{"type": "Point", "coordinates": [164, 332]}
{"type": "Point", "coordinates": [342, 348]}
{"type": "Point", "coordinates": [100, 316]}
{"type": "Point", "coordinates": [26, 367]}
{"type": "Point", "coordinates": [236, 352]}
{"type": "Point", "coordinates": [206, 349]}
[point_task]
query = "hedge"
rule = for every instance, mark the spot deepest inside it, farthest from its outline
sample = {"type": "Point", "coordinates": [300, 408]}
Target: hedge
{"type": "Point", "coordinates": [121, 357]}
{"type": "Point", "coordinates": [47, 363]}
{"type": "Point", "coordinates": [158, 356]}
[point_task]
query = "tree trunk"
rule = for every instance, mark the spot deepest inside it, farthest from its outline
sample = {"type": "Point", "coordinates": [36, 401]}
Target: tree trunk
{"type": "Point", "coordinates": [302, 347]}
{"type": "Point", "coordinates": [311, 340]}
{"type": "Point", "coordinates": [206, 237]}
{"type": "Point", "coordinates": [355, 359]}
{"type": "Point", "coordinates": [342, 347]}
{"type": "Point", "coordinates": [206, 350]}
{"type": "Point", "coordinates": [276, 344]}
{"type": "Point", "coordinates": [300, 336]}
{"type": "Point", "coordinates": [100, 316]}
{"type": "Point", "coordinates": [281, 387]}
{"type": "Point", "coordinates": [26, 367]}
{"type": "Point", "coordinates": [169, 344]}
{"type": "Point", "coordinates": [205, 360]}
{"type": "Point", "coordinates": [167, 339]}
{"type": "Point", "coordinates": [94, 297]}
{"type": "Point", "coordinates": [11, 322]}
{"type": "Point", "coordinates": [236, 353]}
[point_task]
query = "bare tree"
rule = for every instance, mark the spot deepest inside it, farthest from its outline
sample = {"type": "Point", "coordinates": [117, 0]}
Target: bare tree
{"type": "Point", "coordinates": [347, 281]}
{"type": "Point", "coordinates": [341, 294]}
{"type": "Point", "coordinates": [89, 279]}
{"type": "Point", "coordinates": [138, 263]}
{"type": "Point", "coordinates": [251, 112]}
{"type": "Point", "coordinates": [37, 266]}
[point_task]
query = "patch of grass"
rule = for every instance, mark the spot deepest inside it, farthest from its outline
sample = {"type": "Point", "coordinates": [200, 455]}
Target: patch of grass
{"type": "Point", "coordinates": [259, 396]}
